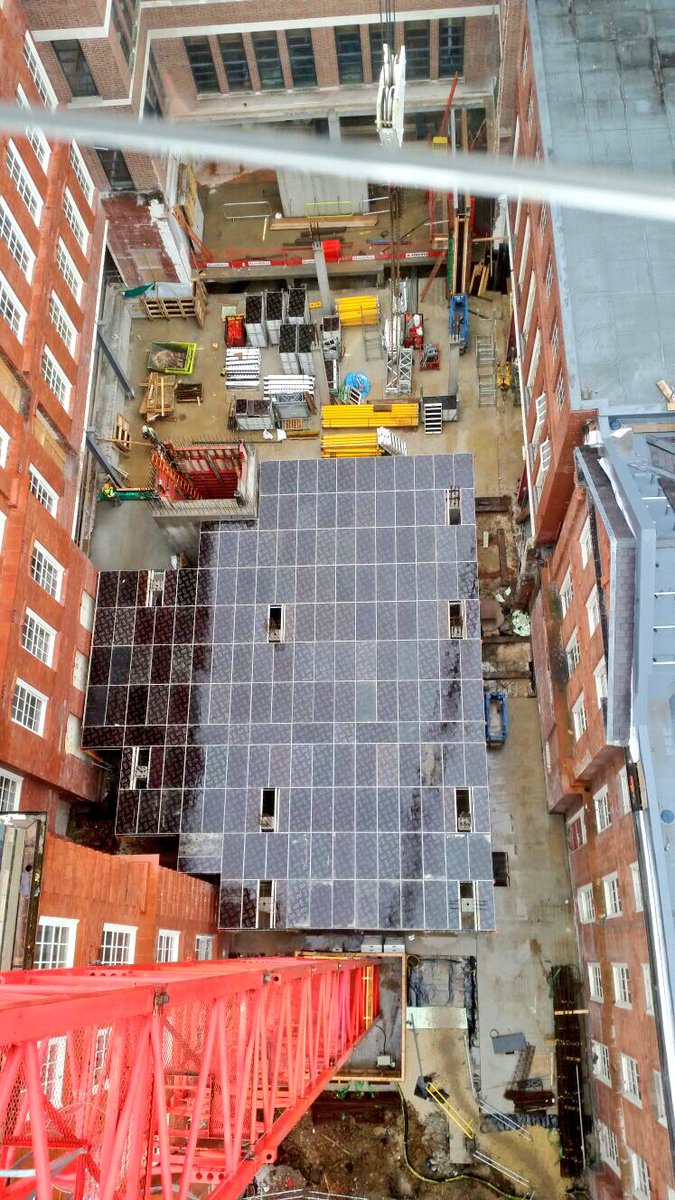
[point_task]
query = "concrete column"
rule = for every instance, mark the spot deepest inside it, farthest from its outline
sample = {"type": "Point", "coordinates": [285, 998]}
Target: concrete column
{"type": "Point", "coordinates": [334, 131]}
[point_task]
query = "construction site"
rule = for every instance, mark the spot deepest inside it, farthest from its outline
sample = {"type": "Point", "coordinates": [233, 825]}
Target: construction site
{"type": "Point", "coordinates": [289, 911]}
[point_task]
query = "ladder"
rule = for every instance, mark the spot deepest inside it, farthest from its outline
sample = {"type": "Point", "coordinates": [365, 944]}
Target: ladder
{"type": "Point", "coordinates": [486, 366]}
{"type": "Point", "coordinates": [433, 416]}
{"type": "Point", "coordinates": [390, 443]}
{"type": "Point", "coordinates": [452, 1113]}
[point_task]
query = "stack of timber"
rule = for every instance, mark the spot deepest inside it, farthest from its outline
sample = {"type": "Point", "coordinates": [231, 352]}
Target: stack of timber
{"type": "Point", "coordinates": [350, 445]}
{"type": "Point", "coordinates": [358, 310]}
{"type": "Point", "coordinates": [369, 416]}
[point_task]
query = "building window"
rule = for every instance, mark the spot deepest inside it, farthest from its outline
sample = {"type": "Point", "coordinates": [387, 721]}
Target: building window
{"type": "Point", "coordinates": [560, 389]}
{"type": "Point", "coordinates": [46, 571]}
{"type": "Point", "coordinates": [72, 742]}
{"type": "Point", "coordinates": [38, 638]}
{"type": "Point", "coordinates": [525, 59]}
{"type": "Point", "coordinates": [534, 366]}
{"type": "Point", "coordinates": [555, 339]}
{"type": "Point", "coordinates": [450, 46]}
{"type": "Point", "coordinates": [586, 904]}
{"type": "Point", "coordinates": [266, 47]}
{"type": "Point", "coordinates": [603, 813]}
{"type": "Point", "coordinates": [87, 606]}
{"type": "Point", "coordinates": [269, 798]}
{"type": "Point", "coordinates": [202, 65]}
{"type": "Point", "coordinates": [543, 219]}
{"type": "Point", "coordinates": [69, 271]}
{"type": "Point", "coordinates": [529, 307]}
{"type": "Point", "coordinates": [12, 309]}
{"type": "Point", "coordinates": [233, 54]}
{"type": "Point", "coordinates": [15, 241]}
{"type": "Point", "coordinates": [376, 53]}
{"type": "Point", "coordinates": [3, 522]}
{"type": "Point", "coordinates": [80, 665]}
{"type": "Point", "coordinates": [416, 41]}
{"type": "Point", "coordinates": [75, 220]}
{"type": "Point", "coordinates": [122, 33]}
{"type": "Point", "coordinates": [600, 675]}
{"type": "Point", "coordinates": [81, 174]}
{"type": "Point", "coordinates": [640, 1174]}
{"type": "Point", "coordinates": [566, 593]}
{"type": "Point", "coordinates": [609, 1148]}
{"type": "Point", "coordinates": [549, 276]}
{"type": "Point", "coordinates": [453, 515]}
{"type": "Point", "coordinates": [540, 406]}
{"type": "Point", "coordinates": [579, 718]}
{"type": "Point", "coordinates": [266, 904]}
{"type": "Point", "coordinates": [38, 74]}
{"type": "Point", "coordinates": [544, 460]}
{"type": "Point", "coordinates": [55, 943]}
{"type": "Point", "coordinates": [623, 790]}
{"type": "Point", "coordinates": [576, 830]}
{"type": "Point", "coordinates": [4, 446]}
{"type": "Point", "coordinates": [10, 791]}
{"type": "Point", "coordinates": [29, 708]}
{"type": "Point", "coordinates": [118, 944]}
{"type": "Point", "coordinates": [525, 252]}
{"type": "Point", "coordinates": [572, 653]}
{"type": "Point", "coordinates": [456, 620]}
{"type": "Point", "coordinates": [595, 987]}
{"type": "Point", "coordinates": [168, 941]}
{"type": "Point", "coordinates": [23, 182]}
{"type": "Point", "coordinates": [530, 107]}
{"type": "Point", "coordinates": [516, 138]}
{"type": "Point", "coordinates": [75, 67]}
{"type": "Point", "coordinates": [585, 542]}
{"type": "Point", "coordinates": [348, 50]}
{"type": "Point", "coordinates": [62, 323]}
{"type": "Point", "coordinates": [152, 105]}
{"type": "Point", "coordinates": [593, 611]}
{"type": "Point", "coordinates": [648, 990]}
{"type": "Point", "coordinates": [630, 1079]}
{"type": "Point", "coordinates": [601, 1064]}
{"type": "Point", "coordinates": [114, 166]}
{"type": "Point", "coordinates": [659, 1102]}
{"type": "Point", "coordinates": [301, 55]}
{"type": "Point", "coordinates": [276, 623]}
{"type": "Point", "coordinates": [638, 903]}
{"type": "Point", "coordinates": [610, 887]}
{"type": "Point", "coordinates": [622, 994]}
{"type": "Point", "coordinates": [204, 947]}
{"type": "Point", "coordinates": [56, 379]}
{"type": "Point", "coordinates": [38, 487]}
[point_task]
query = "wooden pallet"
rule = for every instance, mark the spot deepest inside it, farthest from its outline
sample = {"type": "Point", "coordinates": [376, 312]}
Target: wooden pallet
{"type": "Point", "coordinates": [158, 396]}
{"type": "Point", "coordinates": [156, 308]}
{"type": "Point", "coordinates": [188, 393]}
{"type": "Point", "coordinates": [121, 434]}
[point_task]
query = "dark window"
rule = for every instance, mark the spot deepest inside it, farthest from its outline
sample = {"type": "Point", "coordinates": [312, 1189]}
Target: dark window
{"type": "Point", "coordinates": [202, 64]}
{"type": "Point", "coordinates": [120, 19]}
{"type": "Point", "coordinates": [452, 506]}
{"type": "Point", "coordinates": [416, 41]}
{"type": "Point", "coordinates": [116, 170]}
{"type": "Point", "coordinates": [500, 868]}
{"type": "Point", "coordinates": [456, 618]}
{"type": "Point", "coordinates": [275, 623]}
{"type": "Point", "coordinates": [233, 55]}
{"type": "Point", "coordinates": [376, 41]}
{"type": "Point", "coordinates": [451, 46]}
{"type": "Point", "coordinates": [463, 810]}
{"type": "Point", "coordinates": [75, 68]}
{"type": "Point", "coordinates": [301, 54]}
{"type": "Point", "coordinates": [266, 46]}
{"type": "Point", "coordinates": [268, 810]}
{"type": "Point", "coordinates": [151, 105]}
{"type": "Point", "coordinates": [348, 48]}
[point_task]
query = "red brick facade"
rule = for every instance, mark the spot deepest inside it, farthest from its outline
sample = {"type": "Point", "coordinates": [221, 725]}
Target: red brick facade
{"type": "Point", "coordinates": [45, 328]}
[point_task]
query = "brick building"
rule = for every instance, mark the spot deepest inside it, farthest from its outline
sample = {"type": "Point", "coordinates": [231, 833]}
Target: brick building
{"type": "Point", "coordinates": [245, 65]}
{"type": "Point", "coordinates": [51, 248]}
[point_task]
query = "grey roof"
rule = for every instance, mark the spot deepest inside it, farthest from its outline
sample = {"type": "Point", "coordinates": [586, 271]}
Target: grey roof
{"type": "Point", "coordinates": [606, 88]}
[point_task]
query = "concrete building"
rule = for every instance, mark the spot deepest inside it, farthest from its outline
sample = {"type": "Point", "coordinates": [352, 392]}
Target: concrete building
{"type": "Point", "coordinates": [250, 65]}
{"type": "Point", "coordinates": [51, 250]}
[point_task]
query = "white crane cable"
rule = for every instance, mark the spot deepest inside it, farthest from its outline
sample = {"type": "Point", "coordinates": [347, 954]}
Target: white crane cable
{"type": "Point", "coordinates": [593, 189]}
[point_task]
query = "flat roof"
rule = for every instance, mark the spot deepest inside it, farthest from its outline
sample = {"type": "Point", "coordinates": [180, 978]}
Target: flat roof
{"type": "Point", "coordinates": [366, 719]}
{"type": "Point", "coordinates": [604, 73]}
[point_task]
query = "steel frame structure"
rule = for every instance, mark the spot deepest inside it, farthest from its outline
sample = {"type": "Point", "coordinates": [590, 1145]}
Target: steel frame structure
{"type": "Point", "coordinates": [121, 1082]}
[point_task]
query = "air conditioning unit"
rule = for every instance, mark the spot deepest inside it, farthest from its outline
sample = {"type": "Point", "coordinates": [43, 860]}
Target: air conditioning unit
{"type": "Point", "coordinates": [141, 772]}
{"type": "Point", "coordinates": [468, 904]}
{"type": "Point", "coordinates": [464, 823]}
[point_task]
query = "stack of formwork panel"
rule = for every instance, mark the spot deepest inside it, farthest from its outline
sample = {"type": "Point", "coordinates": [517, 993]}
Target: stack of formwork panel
{"type": "Point", "coordinates": [275, 314]}
{"type": "Point", "coordinates": [252, 414]}
{"type": "Point", "coordinates": [305, 344]}
{"type": "Point", "coordinates": [242, 367]}
{"type": "Point", "coordinates": [288, 349]}
{"type": "Point", "coordinates": [291, 396]}
{"type": "Point", "coordinates": [298, 308]}
{"type": "Point", "coordinates": [256, 328]}
{"type": "Point", "coordinates": [331, 348]}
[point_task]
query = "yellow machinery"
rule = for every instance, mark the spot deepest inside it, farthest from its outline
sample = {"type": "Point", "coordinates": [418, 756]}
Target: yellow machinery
{"type": "Point", "coordinates": [369, 416]}
{"type": "Point", "coordinates": [350, 445]}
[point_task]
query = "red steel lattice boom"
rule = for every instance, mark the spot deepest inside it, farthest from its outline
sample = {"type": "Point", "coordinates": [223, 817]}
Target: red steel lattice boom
{"type": "Point", "coordinates": [121, 1082]}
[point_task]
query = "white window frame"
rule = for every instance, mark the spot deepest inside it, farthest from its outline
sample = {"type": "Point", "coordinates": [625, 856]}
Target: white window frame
{"type": "Point", "coordinates": [541, 409]}
{"type": "Point", "coordinates": [62, 324]}
{"type": "Point", "coordinates": [579, 819]}
{"type": "Point", "coordinates": [596, 990]}
{"type": "Point", "coordinates": [555, 338]}
{"type": "Point", "coordinates": [623, 791]}
{"type": "Point", "coordinates": [612, 894]}
{"type": "Point", "coordinates": [545, 455]}
{"type": "Point", "coordinates": [44, 493]}
{"type": "Point", "coordinates": [630, 1079]}
{"type": "Point", "coordinates": [10, 790]}
{"type": "Point", "coordinates": [560, 389]}
{"type": "Point", "coordinates": [534, 361]}
{"type": "Point", "coordinates": [593, 610]}
{"type": "Point", "coordinates": [4, 446]}
{"type": "Point", "coordinates": [621, 982]}
{"type": "Point", "coordinates": [3, 522]}
{"type": "Point", "coordinates": [526, 250]}
{"type": "Point", "coordinates": [566, 592]}
{"type": "Point", "coordinates": [529, 307]}
{"type": "Point", "coordinates": [585, 542]}
{"type": "Point", "coordinates": [640, 1176]}
{"type": "Point", "coordinates": [572, 653]}
{"type": "Point", "coordinates": [543, 220]}
{"type": "Point", "coordinates": [601, 1065]}
{"type": "Point", "coordinates": [112, 931]}
{"type": "Point", "coordinates": [87, 611]}
{"type": "Point", "coordinates": [75, 221]}
{"type": "Point", "coordinates": [66, 264]}
{"type": "Point", "coordinates": [525, 59]}
{"type": "Point", "coordinates": [56, 379]}
{"type": "Point", "coordinates": [81, 173]}
{"type": "Point", "coordinates": [23, 182]}
{"type": "Point", "coordinates": [37, 72]}
{"type": "Point", "coordinates": [80, 671]}
{"type": "Point", "coordinates": [530, 107]}
{"type": "Point", "coordinates": [516, 138]}
{"type": "Point", "coordinates": [36, 137]}
{"type": "Point", "coordinates": [53, 1068]}
{"type": "Point", "coordinates": [648, 989]}
{"type": "Point", "coordinates": [600, 677]}
{"type": "Point", "coordinates": [638, 899]}
{"type": "Point", "coordinates": [586, 904]}
{"type": "Point", "coordinates": [38, 638]}
{"type": "Point", "coordinates": [548, 279]}
{"type": "Point", "coordinates": [29, 693]}
{"type": "Point", "coordinates": [516, 220]}
{"type": "Point", "coordinates": [38, 575]}
{"type": "Point", "coordinates": [609, 1147]}
{"type": "Point", "coordinates": [11, 309]}
{"type": "Point", "coordinates": [16, 241]}
{"type": "Point", "coordinates": [659, 1100]}
{"type": "Point", "coordinates": [579, 718]}
{"type": "Point", "coordinates": [603, 810]}
{"type": "Point", "coordinates": [204, 947]}
{"type": "Point", "coordinates": [67, 925]}
{"type": "Point", "coordinates": [167, 947]}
